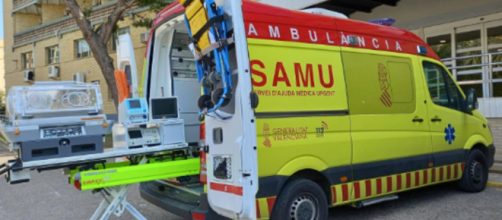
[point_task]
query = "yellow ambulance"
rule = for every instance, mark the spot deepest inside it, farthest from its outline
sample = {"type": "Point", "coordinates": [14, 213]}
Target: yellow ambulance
{"type": "Point", "coordinates": [315, 111]}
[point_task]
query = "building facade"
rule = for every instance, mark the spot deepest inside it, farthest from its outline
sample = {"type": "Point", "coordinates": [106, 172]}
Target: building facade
{"type": "Point", "coordinates": [466, 34]}
{"type": "Point", "coordinates": [41, 37]}
{"type": "Point", "coordinates": [2, 68]}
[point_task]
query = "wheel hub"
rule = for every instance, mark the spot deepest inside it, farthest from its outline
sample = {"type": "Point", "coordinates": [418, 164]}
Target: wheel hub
{"type": "Point", "coordinates": [304, 207]}
{"type": "Point", "coordinates": [477, 172]}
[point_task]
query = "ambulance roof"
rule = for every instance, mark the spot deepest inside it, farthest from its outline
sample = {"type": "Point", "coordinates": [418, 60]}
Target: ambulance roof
{"type": "Point", "coordinates": [268, 22]}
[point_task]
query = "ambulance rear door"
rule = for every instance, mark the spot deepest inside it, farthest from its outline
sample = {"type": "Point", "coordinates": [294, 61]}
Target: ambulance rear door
{"type": "Point", "coordinates": [231, 135]}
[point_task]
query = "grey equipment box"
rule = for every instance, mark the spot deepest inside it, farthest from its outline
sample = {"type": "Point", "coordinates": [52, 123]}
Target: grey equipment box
{"type": "Point", "coordinates": [50, 120]}
{"type": "Point", "coordinates": [61, 147]}
{"type": "Point", "coordinates": [172, 131]}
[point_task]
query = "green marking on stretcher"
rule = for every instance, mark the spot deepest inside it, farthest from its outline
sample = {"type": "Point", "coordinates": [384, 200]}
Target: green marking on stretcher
{"type": "Point", "coordinates": [125, 173]}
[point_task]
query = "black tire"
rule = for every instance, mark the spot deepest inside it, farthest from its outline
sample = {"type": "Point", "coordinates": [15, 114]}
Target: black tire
{"type": "Point", "coordinates": [301, 199]}
{"type": "Point", "coordinates": [475, 173]}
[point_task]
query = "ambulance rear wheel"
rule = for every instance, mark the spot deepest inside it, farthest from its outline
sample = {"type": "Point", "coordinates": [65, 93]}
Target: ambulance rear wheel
{"type": "Point", "coordinates": [301, 199]}
{"type": "Point", "coordinates": [475, 173]}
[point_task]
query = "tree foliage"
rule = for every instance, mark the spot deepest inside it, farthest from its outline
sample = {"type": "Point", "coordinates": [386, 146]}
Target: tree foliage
{"type": "Point", "coordinates": [98, 36]}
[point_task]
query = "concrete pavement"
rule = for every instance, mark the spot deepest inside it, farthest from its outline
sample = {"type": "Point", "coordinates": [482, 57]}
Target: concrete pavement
{"type": "Point", "coordinates": [48, 196]}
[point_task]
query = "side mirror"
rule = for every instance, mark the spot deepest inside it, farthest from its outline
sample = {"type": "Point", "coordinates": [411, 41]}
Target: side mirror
{"type": "Point", "coordinates": [471, 102]}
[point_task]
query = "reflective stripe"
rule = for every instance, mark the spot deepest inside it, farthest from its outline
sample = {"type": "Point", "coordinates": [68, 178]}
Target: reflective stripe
{"type": "Point", "coordinates": [369, 188]}
{"type": "Point", "coordinates": [379, 186]}
{"type": "Point", "coordinates": [237, 190]}
{"type": "Point", "coordinates": [264, 207]}
{"type": "Point", "coordinates": [389, 184]}
{"type": "Point", "coordinates": [408, 180]}
{"type": "Point", "coordinates": [357, 190]}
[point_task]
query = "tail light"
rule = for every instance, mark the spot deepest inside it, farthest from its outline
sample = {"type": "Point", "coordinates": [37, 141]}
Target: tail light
{"type": "Point", "coordinates": [77, 185]}
{"type": "Point", "coordinates": [198, 216]}
{"type": "Point", "coordinates": [202, 132]}
{"type": "Point", "coordinates": [203, 168]}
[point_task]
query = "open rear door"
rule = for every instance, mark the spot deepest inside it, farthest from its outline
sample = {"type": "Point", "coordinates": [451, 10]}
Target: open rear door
{"type": "Point", "coordinates": [230, 128]}
{"type": "Point", "coordinates": [126, 62]}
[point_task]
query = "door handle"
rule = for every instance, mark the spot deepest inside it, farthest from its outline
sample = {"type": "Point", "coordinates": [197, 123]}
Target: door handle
{"type": "Point", "coordinates": [417, 119]}
{"type": "Point", "coordinates": [436, 119]}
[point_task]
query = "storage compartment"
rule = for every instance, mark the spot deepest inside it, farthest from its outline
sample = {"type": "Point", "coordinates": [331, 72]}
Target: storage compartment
{"type": "Point", "coordinates": [38, 150]}
{"type": "Point", "coordinates": [44, 152]}
{"type": "Point", "coordinates": [83, 148]}
{"type": "Point", "coordinates": [171, 45]}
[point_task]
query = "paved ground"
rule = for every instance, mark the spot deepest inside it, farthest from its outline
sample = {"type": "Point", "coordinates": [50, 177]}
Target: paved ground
{"type": "Point", "coordinates": [48, 196]}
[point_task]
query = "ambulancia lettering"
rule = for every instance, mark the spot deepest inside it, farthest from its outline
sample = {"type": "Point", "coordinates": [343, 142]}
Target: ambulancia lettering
{"type": "Point", "coordinates": [322, 36]}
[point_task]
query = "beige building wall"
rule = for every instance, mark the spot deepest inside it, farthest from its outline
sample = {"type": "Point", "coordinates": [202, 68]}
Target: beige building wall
{"type": "Point", "coordinates": [2, 67]}
{"type": "Point", "coordinates": [68, 64]}
{"type": "Point", "coordinates": [8, 38]}
{"type": "Point", "coordinates": [23, 21]}
{"type": "Point", "coordinates": [52, 12]}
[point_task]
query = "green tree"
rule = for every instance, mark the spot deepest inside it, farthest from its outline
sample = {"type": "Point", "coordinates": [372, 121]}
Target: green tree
{"type": "Point", "coordinates": [98, 37]}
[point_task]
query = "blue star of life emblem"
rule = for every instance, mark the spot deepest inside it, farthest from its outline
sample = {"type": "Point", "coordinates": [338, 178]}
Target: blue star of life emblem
{"type": "Point", "coordinates": [449, 134]}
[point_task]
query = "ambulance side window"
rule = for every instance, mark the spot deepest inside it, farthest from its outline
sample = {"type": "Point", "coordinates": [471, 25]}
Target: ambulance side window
{"type": "Point", "coordinates": [442, 88]}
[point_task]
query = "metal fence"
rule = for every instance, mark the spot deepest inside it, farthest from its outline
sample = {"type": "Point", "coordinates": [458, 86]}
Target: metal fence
{"type": "Point", "coordinates": [483, 70]}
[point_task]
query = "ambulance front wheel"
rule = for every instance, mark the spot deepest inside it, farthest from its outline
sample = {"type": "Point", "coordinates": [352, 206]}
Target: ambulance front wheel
{"type": "Point", "coordinates": [301, 199]}
{"type": "Point", "coordinates": [475, 173]}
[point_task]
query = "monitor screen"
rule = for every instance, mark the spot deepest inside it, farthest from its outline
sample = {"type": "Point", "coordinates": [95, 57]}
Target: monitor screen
{"type": "Point", "coordinates": [133, 134]}
{"type": "Point", "coordinates": [163, 108]}
{"type": "Point", "coordinates": [134, 104]}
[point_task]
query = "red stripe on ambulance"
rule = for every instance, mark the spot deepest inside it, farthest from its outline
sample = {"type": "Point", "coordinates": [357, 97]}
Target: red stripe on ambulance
{"type": "Point", "coordinates": [379, 186]}
{"type": "Point", "coordinates": [417, 178]}
{"type": "Point", "coordinates": [408, 180]}
{"type": "Point", "coordinates": [357, 190]}
{"type": "Point", "coordinates": [258, 213]}
{"type": "Point", "coordinates": [270, 202]}
{"type": "Point", "coordinates": [237, 190]}
{"type": "Point", "coordinates": [389, 183]}
{"type": "Point", "coordinates": [368, 188]}
{"type": "Point", "coordinates": [345, 192]}
{"type": "Point", "coordinates": [398, 182]}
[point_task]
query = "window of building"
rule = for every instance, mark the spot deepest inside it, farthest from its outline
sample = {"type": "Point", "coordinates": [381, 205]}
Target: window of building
{"type": "Point", "coordinates": [441, 45]}
{"type": "Point", "coordinates": [82, 49]}
{"type": "Point", "coordinates": [442, 88]}
{"type": "Point", "coordinates": [497, 89]}
{"type": "Point", "coordinates": [469, 57]}
{"type": "Point", "coordinates": [27, 60]}
{"type": "Point", "coordinates": [97, 2]}
{"type": "Point", "coordinates": [478, 88]}
{"type": "Point", "coordinates": [52, 54]}
{"type": "Point", "coordinates": [120, 31]}
{"type": "Point", "coordinates": [383, 85]}
{"type": "Point", "coordinates": [468, 39]}
{"type": "Point", "coordinates": [494, 35]}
